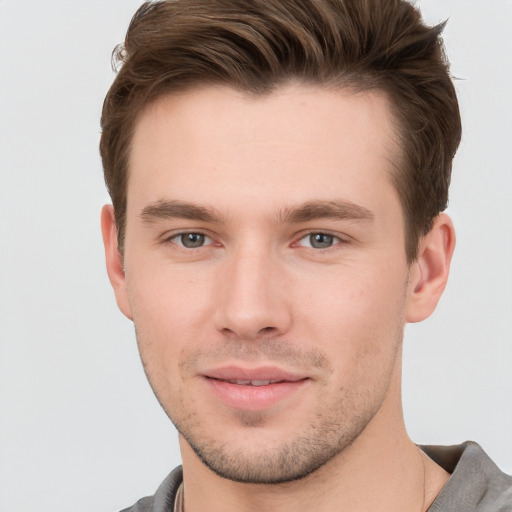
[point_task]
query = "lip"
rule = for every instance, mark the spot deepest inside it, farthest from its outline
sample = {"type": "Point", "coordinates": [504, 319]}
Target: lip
{"type": "Point", "coordinates": [260, 373]}
{"type": "Point", "coordinates": [232, 385]}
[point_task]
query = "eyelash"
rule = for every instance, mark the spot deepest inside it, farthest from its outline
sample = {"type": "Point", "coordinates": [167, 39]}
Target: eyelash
{"type": "Point", "coordinates": [177, 236]}
{"type": "Point", "coordinates": [336, 240]}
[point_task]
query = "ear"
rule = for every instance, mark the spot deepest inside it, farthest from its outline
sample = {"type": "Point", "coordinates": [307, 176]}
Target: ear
{"type": "Point", "coordinates": [429, 273]}
{"type": "Point", "coordinates": [114, 260]}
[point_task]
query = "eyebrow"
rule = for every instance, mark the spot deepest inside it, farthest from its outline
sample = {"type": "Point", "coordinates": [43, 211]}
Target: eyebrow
{"type": "Point", "coordinates": [338, 210]}
{"type": "Point", "coordinates": [162, 210]}
{"type": "Point", "coordinates": [311, 210]}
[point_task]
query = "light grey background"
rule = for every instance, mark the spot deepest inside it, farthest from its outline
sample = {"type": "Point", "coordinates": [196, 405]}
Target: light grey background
{"type": "Point", "coordinates": [79, 427]}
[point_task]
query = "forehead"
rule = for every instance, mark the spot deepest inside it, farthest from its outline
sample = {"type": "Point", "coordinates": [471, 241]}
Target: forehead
{"type": "Point", "coordinates": [295, 143]}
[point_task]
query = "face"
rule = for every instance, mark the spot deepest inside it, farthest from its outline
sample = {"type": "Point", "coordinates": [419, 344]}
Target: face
{"type": "Point", "coordinates": [265, 271]}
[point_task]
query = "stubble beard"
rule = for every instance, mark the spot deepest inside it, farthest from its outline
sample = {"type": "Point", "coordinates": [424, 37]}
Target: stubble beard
{"type": "Point", "coordinates": [332, 428]}
{"type": "Point", "coordinates": [279, 462]}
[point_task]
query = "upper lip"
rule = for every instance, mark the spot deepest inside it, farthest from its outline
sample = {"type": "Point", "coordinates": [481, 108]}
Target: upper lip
{"type": "Point", "coordinates": [262, 373]}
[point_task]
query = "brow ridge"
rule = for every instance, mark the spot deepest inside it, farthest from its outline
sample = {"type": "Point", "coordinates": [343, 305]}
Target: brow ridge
{"type": "Point", "coordinates": [339, 210]}
{"type": "Point", "coordinates": [311, 210]}
{"type": "Point", "coordinates": [169, 209]}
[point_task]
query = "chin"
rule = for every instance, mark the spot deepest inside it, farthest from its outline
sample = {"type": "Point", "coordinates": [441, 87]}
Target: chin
{"type": "Point", "coordinates": [255, 456]}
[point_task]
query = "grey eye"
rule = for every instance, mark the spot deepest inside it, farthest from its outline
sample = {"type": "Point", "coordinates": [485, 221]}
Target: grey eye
{"type": "Point", "coordinates": [191, 240]}
{"type": "Point", "coordinates": [321, 240]}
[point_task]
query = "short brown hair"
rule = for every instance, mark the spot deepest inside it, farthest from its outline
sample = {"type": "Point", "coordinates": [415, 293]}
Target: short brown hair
{"type": "Point", "coordinates": [258, 45]}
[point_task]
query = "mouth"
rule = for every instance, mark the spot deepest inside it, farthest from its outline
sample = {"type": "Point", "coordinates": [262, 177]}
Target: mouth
{"type": "Point", "coordinates": [256, 383]}
{"type": "Point", "coordinates": [254, 389]}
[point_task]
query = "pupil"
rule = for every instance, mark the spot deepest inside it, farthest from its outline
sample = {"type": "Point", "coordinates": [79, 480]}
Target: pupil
{"type": "Point", "coordinates": [192, 240]}
{"type": "Point", "coordinates": [321, 240]}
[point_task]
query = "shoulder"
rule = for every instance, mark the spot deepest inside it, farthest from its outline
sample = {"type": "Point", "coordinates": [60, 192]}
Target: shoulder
{"type": "Point", "coordinates": [163, 499]}
{"type": "Point", "coordinates": [476, 483]}
{"type": "Point", "coordinates": [143, 505]}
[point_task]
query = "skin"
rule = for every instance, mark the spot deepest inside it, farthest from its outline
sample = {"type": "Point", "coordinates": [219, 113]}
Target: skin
{"type": "Point", "coordinates": [295, 262]}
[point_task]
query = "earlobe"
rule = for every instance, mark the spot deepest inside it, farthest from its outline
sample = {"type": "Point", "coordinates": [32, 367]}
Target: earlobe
{"type": "Point", "coordinates": [114, 260]}
{"type": "Point", "coordinates": [429, 274]}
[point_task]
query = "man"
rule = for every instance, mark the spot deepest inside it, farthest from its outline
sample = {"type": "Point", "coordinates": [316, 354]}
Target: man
{"type": "Point", "coordinates": [278, 172]}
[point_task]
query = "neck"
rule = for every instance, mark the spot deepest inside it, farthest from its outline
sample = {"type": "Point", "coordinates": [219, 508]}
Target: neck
{"type": "Point", "coordinates": [381, 470]}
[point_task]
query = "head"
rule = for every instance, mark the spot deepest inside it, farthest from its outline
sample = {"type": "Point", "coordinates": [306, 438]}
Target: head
{"type": "Point", "coordinates": [277, 172]}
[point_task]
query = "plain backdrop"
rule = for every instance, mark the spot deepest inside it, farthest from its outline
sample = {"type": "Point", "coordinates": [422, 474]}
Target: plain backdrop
{"type": "Point", "coordinates": [79, 427]}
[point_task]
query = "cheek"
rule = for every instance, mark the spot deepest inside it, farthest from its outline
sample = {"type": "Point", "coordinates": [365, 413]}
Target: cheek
{"type": "Point", "coordinates": [354, 297]}
{"type": "Point", "coordinates": [169, 311]}
{"type": "Point", "coordinates": [355, 316]}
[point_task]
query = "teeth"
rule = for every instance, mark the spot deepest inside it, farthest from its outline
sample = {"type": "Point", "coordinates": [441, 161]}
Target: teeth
{"type": "Point", "coordinates": [252, 382]}
{"type": "Point", "coordinates": [260, 382]}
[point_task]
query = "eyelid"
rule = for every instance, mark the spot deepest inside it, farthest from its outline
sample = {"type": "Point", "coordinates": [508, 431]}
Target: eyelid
{"type": "Point", "coordinates": [173, 235]}
{"type": "Point", "coordinates": [338, 238]}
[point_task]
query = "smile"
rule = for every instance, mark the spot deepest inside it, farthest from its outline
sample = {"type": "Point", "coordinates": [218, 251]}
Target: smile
{"type": "Point", "coordinates": [256, 383]}
{"type": "Point", "coordinates": [253, 389]}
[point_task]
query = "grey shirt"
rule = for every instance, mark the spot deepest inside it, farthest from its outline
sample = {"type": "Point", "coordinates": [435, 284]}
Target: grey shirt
{"type": "Point", "coordinates": [476, 484]}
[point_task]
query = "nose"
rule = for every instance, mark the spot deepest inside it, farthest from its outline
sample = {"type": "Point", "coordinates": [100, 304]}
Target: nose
{"type": "Point", "coordinates": [253, 299]}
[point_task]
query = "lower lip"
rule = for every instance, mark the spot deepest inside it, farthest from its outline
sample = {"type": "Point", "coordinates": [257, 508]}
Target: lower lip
{"type": "Point", "coordinates": [254, 398]}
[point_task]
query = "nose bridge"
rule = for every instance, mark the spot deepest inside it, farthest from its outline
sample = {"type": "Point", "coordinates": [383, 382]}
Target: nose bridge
{"type": "Point", "coordinates": [250, 300]}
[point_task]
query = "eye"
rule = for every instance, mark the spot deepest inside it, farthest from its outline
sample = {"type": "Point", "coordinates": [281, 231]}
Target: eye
{"type": "Point", "coordinates": [191, 240]}
{"type": "Point", "coordinates": [319, 240]}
